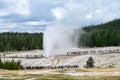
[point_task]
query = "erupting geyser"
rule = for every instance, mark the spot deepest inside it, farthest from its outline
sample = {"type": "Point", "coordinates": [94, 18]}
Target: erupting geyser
{"type": "Point", "coordinates": [60, 37]}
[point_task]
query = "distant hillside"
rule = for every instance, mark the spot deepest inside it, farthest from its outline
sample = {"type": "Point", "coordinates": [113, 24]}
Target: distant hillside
{"type": "Point", "coordinates": [107, 34]}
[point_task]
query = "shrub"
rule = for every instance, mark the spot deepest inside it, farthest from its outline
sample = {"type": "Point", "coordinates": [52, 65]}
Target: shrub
{"type": "Point", "coordinates": [90, 62]}
{"type": "Point", "coordinates": [11, 65]}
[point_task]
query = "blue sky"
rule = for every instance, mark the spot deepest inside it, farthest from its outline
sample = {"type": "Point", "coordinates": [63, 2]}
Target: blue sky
{"type": "Point", "coordinates": [35, 15]}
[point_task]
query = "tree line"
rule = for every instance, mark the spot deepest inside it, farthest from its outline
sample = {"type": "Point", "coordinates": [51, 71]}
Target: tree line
{"type": "Point", "coordinates": [107, 34]}
{"type": "Point", "coordinates": [11, 65]}
{"type": "Point", "coordinates": [20, 41]}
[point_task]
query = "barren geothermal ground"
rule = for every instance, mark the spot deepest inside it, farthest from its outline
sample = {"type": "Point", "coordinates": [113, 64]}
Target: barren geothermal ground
{"type": "Point", "coordinates": [101, 72]}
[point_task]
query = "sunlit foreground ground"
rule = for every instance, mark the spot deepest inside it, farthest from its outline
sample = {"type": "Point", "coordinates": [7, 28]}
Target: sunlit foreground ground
{"type": "Point", "coordinates": [62, 74]}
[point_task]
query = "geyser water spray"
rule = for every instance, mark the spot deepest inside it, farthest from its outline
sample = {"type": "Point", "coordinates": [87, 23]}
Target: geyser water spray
{"type": "Point", "coordinates": [60, 37]}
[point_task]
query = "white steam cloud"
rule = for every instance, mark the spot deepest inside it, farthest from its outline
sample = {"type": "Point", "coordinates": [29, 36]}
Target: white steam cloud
{"type": "Point", "coordinates": [60, 37]}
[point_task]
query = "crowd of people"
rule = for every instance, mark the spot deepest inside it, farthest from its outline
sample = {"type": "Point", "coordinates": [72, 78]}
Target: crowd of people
{"type": "Point", "coordinates": [51, 67]}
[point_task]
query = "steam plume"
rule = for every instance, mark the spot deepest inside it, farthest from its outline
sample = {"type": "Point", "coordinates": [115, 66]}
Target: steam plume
{"type": "Point", "coordinates": [60, 37]}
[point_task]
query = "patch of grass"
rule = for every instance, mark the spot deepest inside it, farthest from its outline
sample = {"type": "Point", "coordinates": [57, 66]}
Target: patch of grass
{"type": "Point", "coordinates": [97, 69]}
{"type": "Point", "coordinates": [60, 74]}
{"type": "Point", "coordinates": [62, 70]}
{"type": "Point", "coordinates": [66, 77]}
{"type": "Point", "coordinates": [32, 75]}
{"type": "Point", "coordinates": [98, 78]}
{"type": "Point", "coordinates": [11, 79]}
{"type": "Point", "coordinates": [62, 77]}
{"type": "Point", "coordinates": [82, 70]}
{"type": "Point", "coordinates": [69, 70]}
{"type": "Point", "coordinates": [19, 77]}
{"type": "Point", "coordinates": [56, 77]}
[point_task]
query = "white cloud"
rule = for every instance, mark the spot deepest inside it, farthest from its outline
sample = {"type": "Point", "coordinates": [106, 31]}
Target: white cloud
{"type": "Point", "coordinates": [89, 16]}
{"type": "Point", "coordinates": [1, 31]}
{"type": "Point", "coordinates": [98, 11]}
{"type": "Point", "coordinates": [59, 13]}
{"type": "Point", "coordinates": [79, 12]}
{"type": "Point", "coordinates": [3, 13]}
{"type": "Point", "coordinates": [35, 23]}
{"type": "Point", "coordinates": [15, 27]}
{"type": "Point", "coordinates": [20, 7]}
{"type": "Point", "coordinates": [26, 14]}
{"type": "Point", "coordinates": [7, 26]}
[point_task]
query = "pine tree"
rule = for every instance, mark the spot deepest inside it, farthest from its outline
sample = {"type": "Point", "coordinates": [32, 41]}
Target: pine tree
{"type": "Point", "coordinates": [90, 62]}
